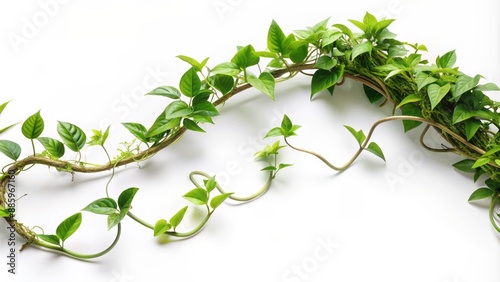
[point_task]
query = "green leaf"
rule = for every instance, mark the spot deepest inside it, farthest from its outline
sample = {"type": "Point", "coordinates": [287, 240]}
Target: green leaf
{"type": "Point", "coordinates": [413, 59]}
{"type": "Point", "coordinates": [287, 127]}
{"type": "Point", "coordinates": [203, 119]}
{"type": "Point", "coordinates": [205, 108]}
{"type": "Point", "coordinates": [51, 239]}
{"type": "Point", "coordinates": [10, 149]}
{"type": "Point", "coordinates": [138, 130]}
{"type": "Point", "coordinates": [487, 87]}
{"type": "Point", "coordinates": [178, 109]}
{"type": "Point", "coordinates": [286, 123]}
{"type": "Point", "coordinates": [228, 68]}
{"type": "Point", "coordinates": [219, 199]}
{"type": "Point", "coordinates": [323, 79]}
{"type": "Point", "coordinates": [104, 206]}
{"type": "Point", "coordinates": [191, 125]}
{"type": "Point", "coordinates": [290, 44]}
{"type": "Point", "coordinates": [411, 110]}
{"type": "Point", "coordinates": [325, 63]}
{"type": "Point", "coordinates": [275, 38]}
{"type": "Point", "coordinates": [177, 217]}
{"type": "Point", "coordinates": [277, 131]}
{"type": "Point", "coordinates": [492, 184]}
{"type": "Point", "coordinates": [282, 166]}
{"type": "Point", "coordinates": [478, 174]}
{"type": "Point", "coordinates": [436, 93]}
{"type": "Point", "coordinates": [492, 151]}
{"type": "Point", "coordinates": [223, 83]}
{"type": "Point", "coordinates": [375, 149]}
{"type": "Point", "coordinates": [2, 106]}
{"type": "Point", "coordinates": [71, 135]}
{"type": "Point", "coordinates": [166, 91]}
{"type": "Point", "coordinates": [393, 73]}
{"type": "Point", "coordinates": [266, 54]}
{"type": "Point", "coordinates": [359, 135]}
{"type": "Point", "coordinates": [53, 146]}
{"type": "Point", "coordinates": [203, 96]}
{"type": "Point", "coordinates": [264, 83]}
{"type": "Point", "coordinates": [423, 79]}
{"type": "Point", "coordinates": [381, 25]}
{"type": "Point", "coordinates": [4, 212]}
{"type": "Point", "coordinates": [412, 98]}
{"type": "Point", "coordinates": [210, 184]}
{"type": "Point", "coordinates": [372, 95]}
{"type": "Point", "coordinates": [322, 25]}
{"type": "Point", "coordinates": [162, 125]}
{"type": "Point", "coordinates": [361, 49]}
{"type": "Point", "coordinates": [69, 226]}
{"type": "Point", "coordinates": [197, 196]}
{"type": "Point", "coordinates": [447, 60]}
{"type": "Point", "coordinates": [461, 113]}
{"type": "Point", "coordinates": [194, 63]}
{"type": "Point", "coordinates": [480, 194]}
{"type": "Point", "coordinates": [125, 199]}
{"type": "Point", "coordinates": [269, 150]}
{"type": "Point", "coordinates": [124, 205]}
{"type": "Point", "coordinates": [161, 226]}
{"type": "Point", "coordinates": [190, 84]}
{"type": "Point", "coordinates": [465, 165]}
{"type": "Point", "coordinates": [480, 162]}
{"type": "Point", "coordinates": [465, 83]}
{"type": "Point", "coordinates": [299, 52]}
{"type": "Point", "coordinates": [369, 20]}
{"type": "Point", "coordinates": [33, 126]}
{"type": "Point", "coordinates": [471, 127]}
{"type": "Point", "coordinates": [114, 219]}
{"type": "Point", "coordinates": [269, 168]}
{"type": "Point", "coordinates": [329, 37]}
{"type": "Point", "coordinates": [246, 57]}
{"type": "Point", "coordinates": [308, 35]}
{"type": "Point", "coordinates": [344, 30]}
{"type": "Point", "coordinates": [99, 137]}
{"type": "Point", "coordinates": [7, 128]}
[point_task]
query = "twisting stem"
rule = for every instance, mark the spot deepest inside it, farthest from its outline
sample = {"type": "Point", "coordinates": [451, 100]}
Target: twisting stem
{"type": "Point", "coordinates": [252, 197]}
{"type": "Point", "coordinates": [387, 119]}
{"type": "Point", "coordinates": [324, 160]}
{"type": "Point", "coordinates": [422, 142]}
{"type": "Point", "coordinates": [191, 233]}
{"type": "Point", "coordinates": [493, 203]}
{"type": "Point", "coordinates": [76, 255]}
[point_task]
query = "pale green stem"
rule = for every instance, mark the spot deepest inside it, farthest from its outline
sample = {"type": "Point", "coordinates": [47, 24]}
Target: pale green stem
{"type": "Point", "coordinates": [76, 255]}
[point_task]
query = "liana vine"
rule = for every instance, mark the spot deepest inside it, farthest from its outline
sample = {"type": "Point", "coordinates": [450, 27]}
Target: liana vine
{"type": "Point", "coordinates": [437, 95]}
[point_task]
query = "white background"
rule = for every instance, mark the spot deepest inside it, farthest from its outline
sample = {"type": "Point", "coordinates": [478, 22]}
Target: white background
{"type": "Point", "coordinates": [90, 62]}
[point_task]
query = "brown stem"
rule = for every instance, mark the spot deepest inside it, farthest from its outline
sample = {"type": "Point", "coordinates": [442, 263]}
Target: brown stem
{"type": "Point", "coordinates": [387, 119]}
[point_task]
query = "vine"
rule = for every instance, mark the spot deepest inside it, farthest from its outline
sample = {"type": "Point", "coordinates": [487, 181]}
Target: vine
{"type": "Point", "coordinates": [437, 95]}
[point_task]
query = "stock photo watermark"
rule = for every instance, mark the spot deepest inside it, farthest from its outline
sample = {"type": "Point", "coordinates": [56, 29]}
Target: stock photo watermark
{"type": "Point", "coordinates": [254, 143]}
{"type": "Point", "coordinates": [409, 165]}
{"type": "Point", "coordinates": [246, 148]}
{"type": "Point", "coordinates": [31, 25]}
{"type": "Point", "coordinates": [393, 8]}
{"type": "Point", "coordinates": [122, 276]}
{"type": "Point", "coordinates": [11, 241]}
{"type": "Point", "coordinates": [130, 100]}
{"type": "Point", "coordinates": [222, 7]}
{"type": "Point", "coordinates": [303, 270]}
